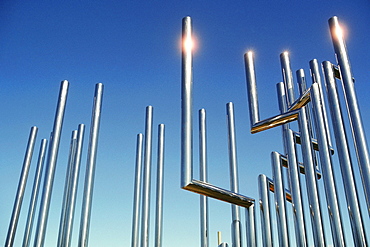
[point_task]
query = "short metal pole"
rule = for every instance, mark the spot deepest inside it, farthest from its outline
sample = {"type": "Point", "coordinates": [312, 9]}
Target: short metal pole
{"type": "Point", "coordinates": [263, 186]}
{"type": "Point", "coordinates": [287, 77]}
{"type": "Point", "coordinates": [251, 88]}
{"type": "Point", "coordinates": [250, 219]}
{"type": "Point", "coordinates": [21, 188]}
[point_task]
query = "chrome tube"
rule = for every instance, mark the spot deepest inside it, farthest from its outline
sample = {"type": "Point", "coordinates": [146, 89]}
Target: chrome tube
{"type": "Point", "coordinates": [21, 188]}
{"type": "Point", "coordinates": [204, 223]}
{"type": "Point", "coordinates": [35, 193]}
{"type": "Point", "coordinates": [263, 188]}
{"type": "Point", "coordinates": [90, 167]}
{"type": "Point", "coordinates": [311, 180]}
{"type": "Point", "coordinates": [72, 193]}
{"type": "Point", "coordinates": [293, 174]}
{"type": "Point", "coordinates": [327, 170]}
{"type": "Point", "coordinates": [234, 183]}
{"type": "Point", "coordinates": [344, 155]}
{"type": "Point", "coordinates": [137, 189]}
{"type": "Point", "coordinates": [250, 219]}
{"type": "Point", "coordinates": [251, 88]}
{"type": "Point", "coordinates": [354, 114]}
{"type": "Point", "coordinates": [287, 77]}
{"type": "Point", "coordinates": [279, 193]}
{"type": "Point", "coordinates": [186, 104]}
{"type": "Point", "coordinates": [146, 177]}
{"type": "Point", "coordinates": [159, 199]}
{"type": "Point", "coordinates": [50, 166]}
{"type": "Point", "coordinates": [67, 184]}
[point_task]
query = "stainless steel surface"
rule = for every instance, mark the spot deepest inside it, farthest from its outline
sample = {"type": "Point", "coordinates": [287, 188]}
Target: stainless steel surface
{"type": "Point", "coordinates": [263, 188]}
{"type": "Point", "coordinates": [287, 77]}
{"type": "Point", "coordinates": [250, 226]}
{"type": "Point", "coordinates": [21, 188]}
{"type": "Point", "coordinates": [51, 165]}
{"type": "Point", "coordinates": [90, 167]}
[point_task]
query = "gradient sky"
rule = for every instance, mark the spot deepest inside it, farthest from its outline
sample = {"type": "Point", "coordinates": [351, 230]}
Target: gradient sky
{"type": "Point", "coordinates": [133, 48]}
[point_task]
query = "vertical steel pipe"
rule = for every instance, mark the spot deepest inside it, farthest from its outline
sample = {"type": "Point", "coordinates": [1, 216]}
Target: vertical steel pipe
{"type": "Point", "coordinates": [90, 167]}
{"type": "Point", "coordinates": [72, 193]}
{"type": "Point", "coordinates": [250, 219]}
{"type": "Point", "coordinates": [204, 223]}
{"type": "Point", "coordinates": [327, 169]}
{"type": "Point", "coordinates": [146, 177]}
{"type": "Point", "coordinates": [251, 88]}
{"type": "Point", "coordinates": [263, 187]}
{"type": "Point", "coordinates": [344, 155]}
{"type": "Point", "coordinates": [311, 180]}
{"type": "Point", "coordinates": [35, 193]}
{"type": "Point", "coordinates": [50, 165]}
{"type": "Point", "coordinates": [279, 192]}
{"type": "Point", "coordinates": [21, 188]}
{"type": "Point", "coordinates": [159, 199]}
{"type": "Point", "coordinates": [293, 174]}
{"type": "Point", "coordinates": [287, 77]}
{"type": "Point", "coordinates": [352, 105]}
{"type": "Point", "coordinates": [67, 183]}
{"type": "Point", "coordinates": [234, 183]}
{"type": "Point", "coordinates": [137, 189]}
{"type": "Point", "coordinates": [186, 103]}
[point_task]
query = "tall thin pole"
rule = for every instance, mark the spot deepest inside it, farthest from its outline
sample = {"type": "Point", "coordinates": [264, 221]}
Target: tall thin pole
{"type": "Point", "coordinates": [250, 219]}
{"type": "Point", "coordinates": [204, 223]}
{"type": "Point", "coordinates": [35, 192]}
{"type": "Point", "coordinates": [90, 167]}
{"type": "Point", "coordinates": [137, 186]}
{"type": "Point", "coordinates": [146, 177]}
{"type": "Point", "coordinates": [50, 167]}
{"type": "Point", "coordinates": [21, 188]}
{"type": "Point", "coordinates": [160, 178]}
{"type": "Point", "coordinates": [288, 77]}
{"type": "Point", "coordinates": [265, 211]}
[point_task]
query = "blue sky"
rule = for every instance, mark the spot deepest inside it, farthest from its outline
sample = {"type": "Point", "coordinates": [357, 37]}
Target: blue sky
{"type": "Point", "coordinates": [133, 48]}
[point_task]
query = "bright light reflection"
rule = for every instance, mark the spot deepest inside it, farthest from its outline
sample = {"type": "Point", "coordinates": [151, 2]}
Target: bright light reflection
{"type": "Point", "coordinates": [339, 32]}
{"type": "Point", "coordinates": [188, 44]}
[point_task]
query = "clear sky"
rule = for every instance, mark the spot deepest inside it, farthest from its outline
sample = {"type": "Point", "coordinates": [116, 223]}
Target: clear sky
{"type": "Point", "coordinates": [133, 48]}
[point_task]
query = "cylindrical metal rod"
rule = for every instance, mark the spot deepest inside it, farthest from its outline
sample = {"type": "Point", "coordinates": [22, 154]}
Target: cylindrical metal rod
{"type": "Point", "coordinates": [35, 192]}
{"type": "Point", "coordinates": [204, 223]}
{"type": "Point", "coordinates": [50, 166]}
{"type": "Point", "coordinates": [67, 183]}
{"type": "Point", "coordinates": [287, 77]}
{"type": "Point", "coordinates": [90, 166]}
{"type": "Point", "coordinates": [251, 88]}
{"type": "Point", "coordinates": [344, 155]}
{"type": "Point", "coordinates": [234, 184]}
{"type": "Point", "coordinates": [159, 199]}
{"type": "Point", "coordinates": [21, 188]}
{"type": "Point", "coordinates": [146, 177]}
{"type": "Point", "coordinates": [72, 193]}
{"type": "Point", "coordinates": [327, 170]}
{"type": "Point", "coordinates": [311, 180]}
{"type": "Point", "coordinates": [137, 189]}
{"type": "Point", "coordinates": [282, 224]}
{"type": "Point", "coordinates": [293, 175]}
{"type": "Point", "coordinates": [250, 219]}
{"type": "Point", "coordinates": [186, 103]}
{"type": "Point", "coordinates": [263, 188]}
{"type": "Point", "coordinates": [358, 132]}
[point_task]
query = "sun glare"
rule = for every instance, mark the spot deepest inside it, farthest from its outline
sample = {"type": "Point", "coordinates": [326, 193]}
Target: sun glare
{"type": "Point", "coordinates": [188, 44]}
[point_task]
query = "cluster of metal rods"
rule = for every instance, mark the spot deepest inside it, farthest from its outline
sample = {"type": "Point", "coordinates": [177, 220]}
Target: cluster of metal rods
{"type": "Point", "coordinates": [72, 174]}
{"type": "Point", "coordinates": [314, 139]}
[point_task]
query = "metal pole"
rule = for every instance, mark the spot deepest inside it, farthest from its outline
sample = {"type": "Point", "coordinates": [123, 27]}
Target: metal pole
{"type": "Point", "coordinates": [136, 206]}
{"type": "Point", "coordinates": [21, 188]}
{"type": "Point", "coordinates": [251, 88]}
{"type": "Point", "coordinates": [146, 177]}
{"type": "Point", "coordinates": [263, 186]}
{"type": "Point", "coordinates": [67, 184]}
{"type": "Point", "coordinates": [159, 199]}
{"type": "Point", "coordinates": [90, 167]}
{"type": "Point", "coordinates": [287, 77]}
{"type": "Point", "coordinates": [35, 192]}
{"type": "Point", "coordinates": [250, 219]}
{"type": "Point", "coordinates": [358, 132]}
{"type": "Point", "coordinates": [50, 166]}
{"type": "Point", "coordinates": [234, 184]}
{"type": "Point", "coordinates": [311, 180]}
{"type": "Point", "coordinates": [67, 235]}
{"type": "Point", "coordinates": [282, 224]}
{"type": "Point", "coordinates": [186, 104]}
{"type": "Point", "coordinates": [204, 223]}
{"type": "Point", "coordinates": [345, 160]}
